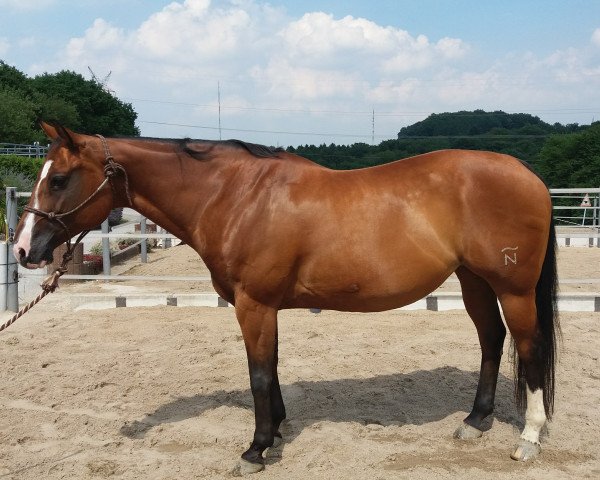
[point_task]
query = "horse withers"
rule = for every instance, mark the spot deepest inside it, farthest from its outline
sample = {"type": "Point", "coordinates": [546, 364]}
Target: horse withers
{"type": "Point", "coordinates": [279, 231]}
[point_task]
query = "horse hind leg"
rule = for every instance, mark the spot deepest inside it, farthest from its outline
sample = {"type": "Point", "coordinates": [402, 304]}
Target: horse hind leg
{"type": "Point", "coordinates": [534, 369]}
{"type": "Point", "coordinates": [529, 445]}
{"type": "Point", "coordinates": [482, 306]}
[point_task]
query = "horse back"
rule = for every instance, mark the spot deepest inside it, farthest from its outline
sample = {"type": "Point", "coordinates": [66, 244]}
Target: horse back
{"type": "Point", "coordinates": [382, 237]}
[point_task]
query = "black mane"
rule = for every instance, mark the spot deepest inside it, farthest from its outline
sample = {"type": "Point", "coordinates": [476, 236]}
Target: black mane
{"type": "Point", "coordinates": [255, 149]}
{"type": "Point", "coordinates": [202, 149]}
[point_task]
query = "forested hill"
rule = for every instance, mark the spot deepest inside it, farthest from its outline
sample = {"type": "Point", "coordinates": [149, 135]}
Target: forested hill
{"type": "Point", "coordinates": [479, 123]}
{"type": "Point", "coordinates": [521, 135]}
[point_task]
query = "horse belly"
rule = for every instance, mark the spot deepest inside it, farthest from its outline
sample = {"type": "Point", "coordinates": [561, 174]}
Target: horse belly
{"type": "Point", "coordinates": [375, 247]}
{"type": "Point", "coordinates": [368, 285]}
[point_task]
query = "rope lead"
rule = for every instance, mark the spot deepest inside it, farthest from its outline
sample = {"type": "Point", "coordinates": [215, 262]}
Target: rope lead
{"type": "Point", "coordinates": [51, 283]}
{"type": "Point", "coordinates": [48, 286]}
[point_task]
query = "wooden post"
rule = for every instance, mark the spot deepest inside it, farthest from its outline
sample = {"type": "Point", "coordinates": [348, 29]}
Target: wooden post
{"type": "Point", "coordinates": [12, 268]}
{"type": "Point", "coordinates": [105, 249]}
{"type": "Point", "coordinates": [144, 244]}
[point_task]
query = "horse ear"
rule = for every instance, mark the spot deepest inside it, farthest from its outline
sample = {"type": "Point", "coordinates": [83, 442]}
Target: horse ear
{"type": "Point", "coordinates": [56, 131]}
{"type": "Point", "coordinates": [49, 130]}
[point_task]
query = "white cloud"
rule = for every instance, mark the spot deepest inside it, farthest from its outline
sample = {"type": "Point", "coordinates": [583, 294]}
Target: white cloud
{"type": "Point", "coordinates": [451, 48]}
{"type": "Point", "coordinates": [191, 36]}
{"type": "Point", "coordinates": [99, 37]}
{"type": "Point", "coordinates": [319, 35]}
{"type": "Point", "coordinates": [571, 66]}
{"type": "Point", "coordinates": [286, 81]}
{"type": "Point", "coordinates": [394, 93]}
{"type": "Point", "coordinates": [596, 37]}
{"type": "Point", "coordinates": [318, 38]}
{"type": "Point", "coordinates": [458, 88]}
{"type": "Point", "coordinates": [176, 29]}
{"type": "Point", "coordinates": [239, 37]}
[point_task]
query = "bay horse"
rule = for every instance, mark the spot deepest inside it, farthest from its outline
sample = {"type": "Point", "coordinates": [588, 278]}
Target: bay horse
{"type": "Point", "coordinates": [278, 231]}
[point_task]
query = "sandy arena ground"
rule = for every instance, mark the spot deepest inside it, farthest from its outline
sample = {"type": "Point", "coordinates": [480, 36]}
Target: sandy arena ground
{"type": "Point", "coordinates": [162, 393]}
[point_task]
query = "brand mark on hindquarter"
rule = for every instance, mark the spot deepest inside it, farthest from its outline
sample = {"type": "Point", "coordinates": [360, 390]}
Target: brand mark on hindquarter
{"type": "Point", "coordinates": [510, 255]}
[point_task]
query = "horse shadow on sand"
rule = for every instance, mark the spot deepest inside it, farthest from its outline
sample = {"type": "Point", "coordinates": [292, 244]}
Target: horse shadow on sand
{"type": "Point", "coordinates": [414, 398]}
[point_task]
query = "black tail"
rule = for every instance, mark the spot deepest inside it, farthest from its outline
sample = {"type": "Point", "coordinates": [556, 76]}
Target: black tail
{"type": "Point", "coordinates": [546, 292]}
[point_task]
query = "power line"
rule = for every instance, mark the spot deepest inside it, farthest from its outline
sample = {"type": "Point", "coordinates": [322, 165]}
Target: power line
{"type": "Point", "coordinates": [555, 111]}
{"type": "Point", "coordinates": [261, 109]}
{"type": "Point", "coordinates": [357, 135]}
{"type": "Point", "coordinates": [245, 130]}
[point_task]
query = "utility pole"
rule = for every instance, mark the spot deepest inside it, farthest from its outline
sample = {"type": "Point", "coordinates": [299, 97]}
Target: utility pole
{"type": "Point", "coordinates": [373, 128]}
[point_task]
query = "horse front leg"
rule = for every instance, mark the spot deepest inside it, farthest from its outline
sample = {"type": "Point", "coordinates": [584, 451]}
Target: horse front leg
{"type": "Point", "coordinates": [277, 406]}
{"type": "Point", "coordinates": [258, 323]}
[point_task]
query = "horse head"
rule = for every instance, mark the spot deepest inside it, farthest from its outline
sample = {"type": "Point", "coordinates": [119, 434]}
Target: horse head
{"type": "Point", "coordinates": [68, 197]}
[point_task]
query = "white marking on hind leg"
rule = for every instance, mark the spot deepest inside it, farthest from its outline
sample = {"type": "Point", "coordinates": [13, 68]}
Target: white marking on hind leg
{"type": "Point", "coordinates": [535, 416]}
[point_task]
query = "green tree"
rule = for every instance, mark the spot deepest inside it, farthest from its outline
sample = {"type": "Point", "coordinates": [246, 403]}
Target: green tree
{"type": "Point", "coordinates": [13, 78]}
{"type": "Point", "coordinates": [17, 117]}
{"type": "Point", "coordinates": [57, 108]}
{"type": "Point", "coordinates": [572, 160]}
{"type": "Point", "coordinates": [98, 110]}
{"type": "Point", "coordinates": [66, 97]}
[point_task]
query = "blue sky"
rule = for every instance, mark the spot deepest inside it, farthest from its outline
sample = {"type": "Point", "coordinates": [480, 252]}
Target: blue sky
{"type": "Point", "coordinates": [296, 72]}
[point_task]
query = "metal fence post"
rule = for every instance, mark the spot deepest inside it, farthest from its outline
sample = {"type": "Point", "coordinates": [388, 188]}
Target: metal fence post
{"type": "Point", "coordinates": [12, 268]}
{"type": "Point", "coordinates": [166, 242]}
{"type": "Point", "coordinates": [105, 249]}
{"type": "Point", "coordinates": [144, 244]}
{"type": "Point", "coordinates": [596, 221]}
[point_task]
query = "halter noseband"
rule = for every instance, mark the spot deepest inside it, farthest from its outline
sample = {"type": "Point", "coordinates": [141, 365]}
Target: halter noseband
{"type": "Point", "coordinates": [111, 169]}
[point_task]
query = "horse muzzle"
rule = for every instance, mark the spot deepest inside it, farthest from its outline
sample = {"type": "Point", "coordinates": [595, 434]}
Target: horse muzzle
{"type": "Point", "coordinates": [33, 259]}
{"type": "Point", "coordinates": [35, 251]}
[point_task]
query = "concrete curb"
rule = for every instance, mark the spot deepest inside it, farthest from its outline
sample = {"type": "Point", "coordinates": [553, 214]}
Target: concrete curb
{"type": "Point", "coordinates": [101, 301]}
{"type": "Point", "coordinates": [442, 301]}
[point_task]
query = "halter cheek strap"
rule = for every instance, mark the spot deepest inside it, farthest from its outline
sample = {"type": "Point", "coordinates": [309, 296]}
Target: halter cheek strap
{"type": "Point", "coordinates": [111, 169]}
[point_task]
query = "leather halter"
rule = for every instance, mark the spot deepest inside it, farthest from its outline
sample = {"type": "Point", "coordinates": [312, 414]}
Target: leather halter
{"type": "Point", "coordinates": [111, 169]}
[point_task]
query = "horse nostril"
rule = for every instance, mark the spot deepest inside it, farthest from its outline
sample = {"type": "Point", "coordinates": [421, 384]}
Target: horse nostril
{"type": "Point", "coordinates": [22, 253]}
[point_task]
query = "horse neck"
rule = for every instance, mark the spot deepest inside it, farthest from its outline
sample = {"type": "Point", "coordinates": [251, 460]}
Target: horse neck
{"type": "Point", "coordinates": [175, 190]}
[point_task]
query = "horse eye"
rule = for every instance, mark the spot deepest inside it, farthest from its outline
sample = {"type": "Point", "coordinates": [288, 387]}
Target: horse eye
{"type": "Point", "coordinates": [58, 182]}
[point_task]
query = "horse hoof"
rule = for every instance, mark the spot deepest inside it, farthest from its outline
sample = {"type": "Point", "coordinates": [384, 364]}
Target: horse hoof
{"type": "Point", "coordinates": [526, 451]}
{"type": "Point", "coordinates": [244, 467]}
{"type": "Point", "coordinates": [467, 432]}
{"type": "Point", "coordinates": [277, 441]}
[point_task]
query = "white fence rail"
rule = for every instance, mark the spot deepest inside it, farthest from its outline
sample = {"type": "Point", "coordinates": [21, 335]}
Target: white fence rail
{"type": "Point", "coordinates": [35, 150]}
{"type": "Point", "coordinates": [576, 207]}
